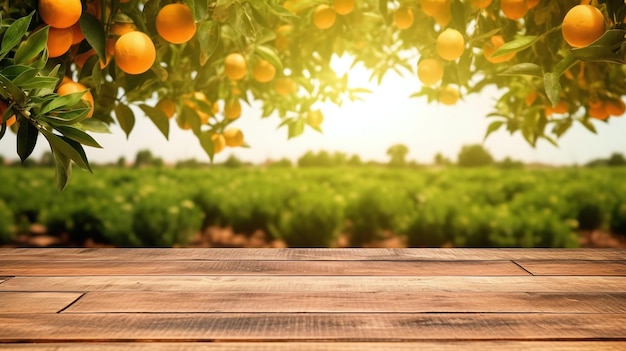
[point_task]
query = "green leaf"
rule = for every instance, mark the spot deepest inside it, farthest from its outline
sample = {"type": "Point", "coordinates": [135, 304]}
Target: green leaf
{"type": "Point", "coordinates": [271, 56]}
{"type": "Point", "coordinates": [67, 117]}
{"type": "Point", "coordinates": [587, 123]}
{"type": "Point", "coordinates": [93, 125]}
{"type": "Point", "coordinates": [64, 102]}
{"type": "Point", "coordinates": [26, 139]}
{"type": "Point", "coordinates": [32, 47]}
{"type": "Point", "coordinates": [493, 126]}
{"type": "Point", "coordinates": [209, 37]}
{"type": "Point", "coordinates": [125, 117]}
{"type": "Point", "coordinates": [278, 9]}
{"type": "Point", "coordinates": [552, 87]}
{"type": "Point", "coordinates": [67, 147]}
{"type": "Point", "coordinates": [207, 143]}
{"type": "Point", "coordinates": [94, 33]}
{"type": "Point", "coordinates": [25, 76]}
{"type": "Point", "coordinates": [516, 45]}
{"type": "Point", "coordinates": [78, 135]}
{"type": "Point", "coordinates": [14, 34]}
{"type": "Point", "coordinates": [12, 90]}
{"type": "Point", "coordinates": [63, 170]}
{"type": "Point", "coordinates": [606, 48]}
{"type": "Point", "coordinates": [159, 119]}
{"type": "Point", "coordinates": [296, 127]}
{"type": "Point", "coordinates": [562, 127]}
{"type": "Point", "coordinates": [523, 69]}
{"type": "Point", "coordinates": [190, 117]}
{"type": "Point", "coordinates": [41, 83]}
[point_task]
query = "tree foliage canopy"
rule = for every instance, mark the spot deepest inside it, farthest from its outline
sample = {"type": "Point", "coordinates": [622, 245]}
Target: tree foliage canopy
{"type": "Point", "coordinates": [283, 51]}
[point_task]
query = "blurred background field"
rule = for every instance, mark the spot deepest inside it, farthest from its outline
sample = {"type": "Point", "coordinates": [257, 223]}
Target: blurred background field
{"type": "Point", "coordinates": [324, 200]}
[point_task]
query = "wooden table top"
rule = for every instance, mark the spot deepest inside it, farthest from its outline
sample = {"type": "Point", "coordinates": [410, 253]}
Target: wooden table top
{"type": "Point", "coordinates": [312, 299]}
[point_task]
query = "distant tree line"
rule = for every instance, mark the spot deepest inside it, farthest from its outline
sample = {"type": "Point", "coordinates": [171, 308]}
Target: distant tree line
{"type": "Point", "coordinates": [474, 155]}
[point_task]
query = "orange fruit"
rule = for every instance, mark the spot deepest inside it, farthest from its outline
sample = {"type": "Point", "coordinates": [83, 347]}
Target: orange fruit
{"type": "Point", "coordinates": [481, 4]}
{"type": "Point", "coordinates": [120, 28]}
{"type": "Point", "coordinates": [615, 107]}
{"type": "Point", "coordinates": [561, 107]}
{"type": "Point", "coordinates": [175, 23]}
{"type": "Point", "coordinates": [444, 18]}
{"type": "Point", "coordinates": [70, 87]}
{"type": "Point", "coordinates": [315, 118]}
{"type": "Point", "coordinates": [532, 3]}
{"type": "Point", "coordinates": [134, 52]}
{"type": "Point", "coordinates": [598, 111]}
{"type": "Point", "coordinates": [3, 107]}
{"type": "Point", "coordinates": [514, 9]}
{"type": "Point", "coordinates": [77, 33]}
{"type": "Point", "coordinates": [263, 71]}
{"type": "Point", "coordinates": [449, 95]}
{"type": "Point", "coordinates": [282, 40]}
{"type": "Point", "coordinates": [450, 44]}
{"type": "Point", "coordinates": [81, 58]}
{"type": "Point", "coordinates": [60, 13]}
{"type": "Point", "coordinates": [531, 97]}
{"type": "Point", "coordinates": [582, 25]}
{"type": "Point", "coordinates": [285, 86]}
{"type": "Point", "coordinates": [324, 16]}
{"type": "Point", "coordinates": [233, 137]}
{"type": "Point", "coordinates": [232, 109]}
{"type": "Point", "coordinates": [435, 7]}
{"type": "Point", "coordinates": [168, 106]}
{"type": "Point", "coordinates": [235, 66]}
{"type": "Point", "coordinates": [403, 18]}
{"type": "Point", "coordinates": [219, 142]}
{"type": "Point", "coordinates": [429, 71]}
{"type": "Point", "coordinates": [490, 47]}
{"type": "Point", "coordinates": [59, 41]}
{"type": "Point", "coordinates": [343, 7]}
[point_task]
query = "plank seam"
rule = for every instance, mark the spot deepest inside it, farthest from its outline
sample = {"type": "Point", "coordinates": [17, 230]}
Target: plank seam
{"type": "Point", "coordinates": [72, 303]}
{"type": "Point", "coordinates": [522, 267]}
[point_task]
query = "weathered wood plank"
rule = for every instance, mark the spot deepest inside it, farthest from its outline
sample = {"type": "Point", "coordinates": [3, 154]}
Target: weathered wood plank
{"type": "Point", "coordinates": [294, 254]}
{"type": "Point", "coordinates": [310, 254]}
{"type": "Point", "coordinates": [35, 302]}
{"type": "Point", "coordinates": [348, 302]}
{"type": "Point", "coordinates": [310, 268]}
{"type": "Point", "coordinates": [329, 346]}
{"type": "Point", "coordinates": [574, 267]}
{"type": "Point", "coordinates": [310, 326]}
{"type": "Point", "coordinates": [591, 284]}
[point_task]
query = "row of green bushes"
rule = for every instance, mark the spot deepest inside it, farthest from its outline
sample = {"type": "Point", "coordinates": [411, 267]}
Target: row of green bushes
{"type": "Point", "coordinates": [311, 207]}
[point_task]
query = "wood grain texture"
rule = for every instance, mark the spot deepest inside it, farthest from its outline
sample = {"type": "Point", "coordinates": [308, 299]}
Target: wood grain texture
{"type": "Point", "coordinates": [587, 284]}
{"type": "Point", "coordinates": [571, 267]}
{"type": "Point", "coordinates": [309, 268]}
{"type": "Point", "coordinates": [327, 346]}
{"type": "Point", "coordinates": [310, 326]}
{"type": "Point", "coordinates": [35, 302]}
{"type": "Point", "coordinates": [294, 254]}
{"type": "Point", "coordinates": [348, 302]}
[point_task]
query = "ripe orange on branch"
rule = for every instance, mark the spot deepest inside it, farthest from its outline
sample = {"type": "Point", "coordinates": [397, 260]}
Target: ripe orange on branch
{"type": "Point", "coordinates": [59, 41]}
{"type": "Point", "coordinates": [582, 25]}
{"type": "Point", "coordinates": [70, 87]}
{"type": "Point", "coordinates": [134, 52]}
{"type": "Point", "coordinates": [403, 18]}
{"type": "Point", "coordinates": [233, 137]}
{"type": "Point", "coordinates": [514, 9]}
{"type": "Point", "coordinates": [60, 13]}
{"type": "Point", "coordinates": [435, 7]}
{"type": "Point", "coordinates": [263, 71]}
{"type": "Point", "coordinates": [449, 95]}
{"type": "Point", "coordinates": [235, 66]}
{"type": "Point", "coordinates": [175, 23]}
{"type": "Point", "coordinates": [450, 44]}
{"type": "Point", "coordinates": [343, 7]}
{"type": "Point", "coordinates": [429, 71]}
{"type": "Point", "coordinates": [494, 44]}
{"type": "Point", "coordinates": [324, 16]}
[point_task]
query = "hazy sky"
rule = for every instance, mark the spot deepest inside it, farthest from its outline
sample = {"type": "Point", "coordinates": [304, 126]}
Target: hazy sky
{"type": "Point", "coordinates": [366, 128]}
